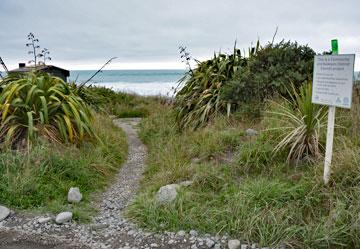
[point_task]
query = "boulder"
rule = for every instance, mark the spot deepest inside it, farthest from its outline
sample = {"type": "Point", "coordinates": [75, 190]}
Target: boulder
{"type": "Point", "coordinates": [251, 132]}
{"type": "Point", "coordinates": [63, 217]}
{"type": "Point", "coordinates": [234, 244]}
{"type": "Point", "coordinates": [74, 195]}
{"type": "Point", "coordinates": [4, 213]}
{"type": "Point", "coordinates": [167, 193]}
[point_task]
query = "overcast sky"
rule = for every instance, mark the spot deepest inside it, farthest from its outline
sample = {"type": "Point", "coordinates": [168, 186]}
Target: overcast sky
{"type": "Point", "coordinates": [83, 34]}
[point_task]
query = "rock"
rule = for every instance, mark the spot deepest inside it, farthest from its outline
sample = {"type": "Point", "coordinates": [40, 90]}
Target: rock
{"type": "Point", "coordinates": [210, 243]}
{"type": "Point", "coordinates": [186, 183]}
{"type": "Point", "coordinates": [44, 220]}
{"type": "Point", "coordinates": [74, 195]}
{"type": "Point", "coordinates": [181, 233]}
{"type": "Point", "coordinates": [234, 244]}
{"type": "Point", "coordinates": [99, 226]}
{"type": "Point", "coordinates": [63, 217]}
{"type": "Point", "coordinates": [251, 132]}
{"type": "Point", "coordinates": [193, 233]}
{"type": "Point", "coordinates": [244, 246]}
{"type": "Point", "coordinates": [167, 193]}
{"type": "Point", "coordinates": [4, 213]}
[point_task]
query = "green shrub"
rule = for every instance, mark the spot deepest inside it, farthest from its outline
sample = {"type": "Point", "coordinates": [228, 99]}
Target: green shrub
{"type": "Point", "coordinates": [35, 105]}
{"type": "Point", "coordinates": [269, 72]}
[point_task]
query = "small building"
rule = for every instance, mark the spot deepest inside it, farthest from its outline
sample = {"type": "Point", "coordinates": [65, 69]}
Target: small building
{"type": "Point", "coordinates": [50, 69]}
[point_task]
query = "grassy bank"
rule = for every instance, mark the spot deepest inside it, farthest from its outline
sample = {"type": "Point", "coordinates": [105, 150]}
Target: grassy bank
{"type": "Point", "coordinates": [41, 177]}
{"type": "Point", "coordinates": [240, 188]}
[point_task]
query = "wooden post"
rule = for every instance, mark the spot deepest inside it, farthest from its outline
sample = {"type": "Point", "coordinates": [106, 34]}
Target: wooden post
{"type": "Point", "coordinates": [330, 129]}
{"type": "Point", "coordinates": [329, 144]}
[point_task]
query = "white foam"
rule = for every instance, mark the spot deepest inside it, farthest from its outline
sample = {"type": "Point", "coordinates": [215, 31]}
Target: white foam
{"type": "Point", "coordinates": [146, 89]}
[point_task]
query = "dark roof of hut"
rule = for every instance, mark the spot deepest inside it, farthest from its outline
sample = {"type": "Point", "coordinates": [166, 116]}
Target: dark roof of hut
{"type": "Point", "coordinates": [44, 68]}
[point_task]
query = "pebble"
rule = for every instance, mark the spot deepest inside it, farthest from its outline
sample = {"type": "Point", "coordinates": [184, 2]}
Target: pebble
{"type": "Point", "coordinates": [44, 220]}
{"type": "Point", "coordinates": [63, 217]}
{"type": "Point", "coordinates": [181, 233]}
{"type": "Point", "coordinates": [167, 193]}
{"type": "Point", "coordinates": [4, 213]}
{"type": "Point", "coordinates": [251, 132]}
{"type": "Point", "coordinates": [234, 244]}
{"type": "Point", "coordinates": [210, 243]}
{"type": "Point", "coordinates": [193, 233]}
{"type": "Point", "coordinates": [74, 195]}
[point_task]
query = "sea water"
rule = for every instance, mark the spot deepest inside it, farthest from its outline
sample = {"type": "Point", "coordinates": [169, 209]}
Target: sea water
{"type": "Point", "coordinates": [143, 82]}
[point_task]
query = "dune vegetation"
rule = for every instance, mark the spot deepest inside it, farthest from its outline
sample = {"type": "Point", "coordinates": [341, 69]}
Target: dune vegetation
{"type": "Point", "coordinates": [52, 139]}
{"type": "Point", "coordinates": [262, 185]}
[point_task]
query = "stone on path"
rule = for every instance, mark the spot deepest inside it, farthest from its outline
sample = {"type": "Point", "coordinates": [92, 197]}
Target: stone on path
{"type": "Point", "coordinates": [44, 220]}
{"type": "Point", "coordinates": [4, 213]}
{"type": "Point", "coordinates": [234, 244]}
{"type": "Point", "coordinates": [167, 193]}
{"type": "Point", "coordinates": [181, 233]}
{"type": "Point", "coordinates": [63, 217]}
{"type": "Point", "coordinates": [209, 243]}
{"type": "Point", "coordinates": [74, 195]}
{"type": "Point", "coordinates": [193, 233]}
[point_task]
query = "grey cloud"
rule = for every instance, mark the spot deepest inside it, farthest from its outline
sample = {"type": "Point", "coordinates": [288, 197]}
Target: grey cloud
{"type": "Point", "coordinates": [151, 31]}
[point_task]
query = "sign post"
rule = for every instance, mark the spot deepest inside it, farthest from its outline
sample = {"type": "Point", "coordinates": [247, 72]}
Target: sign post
{"type": "Point", "coordinates": [332, 86]}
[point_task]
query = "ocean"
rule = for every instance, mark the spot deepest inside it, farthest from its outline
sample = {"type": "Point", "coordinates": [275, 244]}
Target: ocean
{"type": "Point", "coordinates": [143, 82]}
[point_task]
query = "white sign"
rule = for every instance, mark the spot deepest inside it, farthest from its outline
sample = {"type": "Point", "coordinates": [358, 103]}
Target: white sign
{"type": "Point", "coordinates": [333, 80]}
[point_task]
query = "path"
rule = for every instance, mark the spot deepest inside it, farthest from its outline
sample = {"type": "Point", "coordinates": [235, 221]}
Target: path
{"type": "Point", "coordinates": [109, 229]}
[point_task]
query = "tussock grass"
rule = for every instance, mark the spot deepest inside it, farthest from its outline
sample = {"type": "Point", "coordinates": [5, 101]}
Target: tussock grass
{"type": "Point", "coordinates": [242, 189]}
{"type": "Point", "coordinates": [40, 178]}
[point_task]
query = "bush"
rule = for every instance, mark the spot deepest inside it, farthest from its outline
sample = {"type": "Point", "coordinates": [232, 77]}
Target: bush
{"type": "Point", "coordinates": [199, 99]}
{"type": "Point", "coordinates": [269, 72]}
{"type": "Point", "coordinates": [33, 105]}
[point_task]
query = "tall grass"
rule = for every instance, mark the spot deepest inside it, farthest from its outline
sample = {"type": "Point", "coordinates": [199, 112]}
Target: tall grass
{"type": "Point", "coordinates": [240, 189]}
{"type": "Point", "coordinates": [40, 178]}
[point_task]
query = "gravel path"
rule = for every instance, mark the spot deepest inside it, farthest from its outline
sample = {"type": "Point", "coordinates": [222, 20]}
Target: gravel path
{"type": "Point", "coordinates": [109, 229]}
